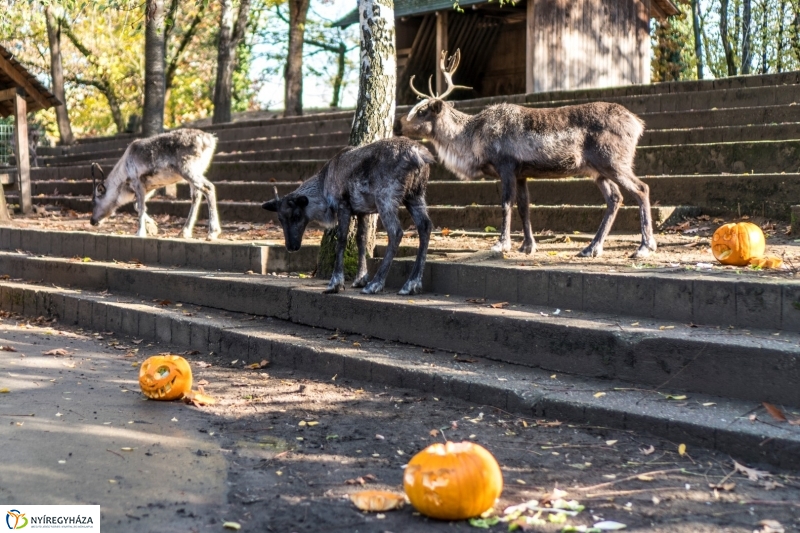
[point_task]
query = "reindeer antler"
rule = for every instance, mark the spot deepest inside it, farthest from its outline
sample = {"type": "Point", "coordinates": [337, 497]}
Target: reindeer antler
{"type": "Point", "coordinates": [275, 188]}
{"type": "Point", "coordinates": [448, 66]}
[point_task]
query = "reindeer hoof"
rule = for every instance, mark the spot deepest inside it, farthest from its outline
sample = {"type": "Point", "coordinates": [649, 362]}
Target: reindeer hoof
{"type": "Point", "coordinates": [643, 251]}
{"type": "Point", "coordinates": [372, 288]}
{"type": "Point", "coordinates": [141, 233]}
{"type": "Point", "coordinates": [185, 235]}
{"type": "Point", "coordinates": [500, 247]}
{"type": "Point", "coordinates": [211, 236]}
{"type": "Point", "coordinates": [335, 289]}
{"type": "Point", "coordinates": [527, 248]}
{"type": "Point", "coordinates": [361, 282]}
{"type": "Point", "coordinates": [151, 229]}
{"type": "Point", "coordinates": [591, 251]}
{"type": "Point", "coordinates": [411, 288]}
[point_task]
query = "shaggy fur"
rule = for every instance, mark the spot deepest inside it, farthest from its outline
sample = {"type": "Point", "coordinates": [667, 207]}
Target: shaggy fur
{"type": "Point", "coordinates": [511, 143]}
{"type": "Point", "coordinates": [149, 164]}
{"type": "Point", "coordinates": [376, 178]}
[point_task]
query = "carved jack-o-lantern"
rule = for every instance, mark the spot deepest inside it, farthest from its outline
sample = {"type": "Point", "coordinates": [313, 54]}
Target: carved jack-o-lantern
{"type": "Point", "coordinates": [737, 243]}
{"type": "Point", "coordinates": [165, 377]}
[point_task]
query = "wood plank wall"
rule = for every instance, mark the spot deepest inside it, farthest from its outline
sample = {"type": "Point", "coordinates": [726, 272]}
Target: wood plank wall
{"type": "Point", "coordinates": [578, 44]}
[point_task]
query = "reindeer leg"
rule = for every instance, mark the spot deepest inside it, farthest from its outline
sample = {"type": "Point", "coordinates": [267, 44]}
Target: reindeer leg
{"type": "Point", "coordinates": [524, 209]}
{"type": "Point", "coordinates": [641, 192]}
{"type": "Point", "coordinates": [197, 197]}
{"type": "Point", "coordinates": [337, 279]}
{"type": "Point", "coordinates": [150, 224]}
{"type": "Point", "coordinates": [613, 202]}
{"type": "Point", "coordinates": [419, 213]}
{"type": "Point", "coordinates": [507, 179]}
{"type": "Point", "coordinates": [362, 276]}
{"type": "Point", "coordinates": [210, 192]}
{"type": "Point", "coordinates": [394, 230]}
{"type": "Point", "coordinates": [141, 198]}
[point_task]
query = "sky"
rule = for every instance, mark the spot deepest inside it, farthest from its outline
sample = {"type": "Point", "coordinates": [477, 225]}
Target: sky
{"type": "Point", "coordinates": [316, 91]}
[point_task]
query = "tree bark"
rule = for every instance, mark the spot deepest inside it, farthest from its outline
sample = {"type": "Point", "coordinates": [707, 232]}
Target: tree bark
{"type": "Point", "coordinates": [781, 31]}
{"type": "Point", "coordinates": [154, 68]}
{"type": "Point", "coordinates": [747, 36]}
{"type": "Point", "coordinates": [339, 79]}
{"type": "Point", "coordinates": [375, 109]}
{"type": "Point", "coordinates": [57, 76]}
{"type": "Point", "coordinates": [698, 40]}
{"type": "Point", "coordinates": [172, 66]}
{"type": "Point", "coordinates": [293, 89]}
{"type": "Point", "coordinates": [230, 34]}
{"type": "Point", "coordinates": [726, 41]}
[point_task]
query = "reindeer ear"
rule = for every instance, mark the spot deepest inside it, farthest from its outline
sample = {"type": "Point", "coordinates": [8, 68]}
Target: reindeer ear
{"type": "Point", "coordinates": [302, 201]}
{"type": "Point", "coordinates": [272, 205]}
{"type": "Point", "coordinates": [101, 189]}
{"type": "Point", "coordinates": [436, 106]}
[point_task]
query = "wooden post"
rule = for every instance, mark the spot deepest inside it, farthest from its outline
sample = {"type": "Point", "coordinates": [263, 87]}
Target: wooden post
{"type": "Point", "coordinates": [23, 162]}
{"type": "Point", "coordinates": [530, 48]}
{"type": "Point", "coordinates": [441, 44]}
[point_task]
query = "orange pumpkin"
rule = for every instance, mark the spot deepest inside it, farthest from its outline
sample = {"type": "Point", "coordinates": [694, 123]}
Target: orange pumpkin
{"type": "Point", "coordinates": [737, 243]}
{"type": "Point", "coordinates": [165, 377]}
{"type": "Point", "coordinates": [453, 481]}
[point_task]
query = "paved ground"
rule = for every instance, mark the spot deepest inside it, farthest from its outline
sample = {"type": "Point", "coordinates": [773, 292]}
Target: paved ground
{"type": "Point", "coordinates": [281, 450]}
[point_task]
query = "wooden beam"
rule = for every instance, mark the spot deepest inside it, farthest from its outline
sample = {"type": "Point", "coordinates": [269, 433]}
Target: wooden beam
{"type": "Point", "coordinates": [530, 47]}
{"type": "Point", "coordinates": [23, 162]}
{"type": "Point", "coordinates": [18, 78]}
{"type": "Point", "coordinates": [8, 94]}
{"type": "Point", "coordinates": [441, 44]}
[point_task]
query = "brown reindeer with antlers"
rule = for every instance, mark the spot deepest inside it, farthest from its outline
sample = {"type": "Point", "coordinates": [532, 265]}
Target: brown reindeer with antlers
{"type": "Point", "coordinates": [512, 142]}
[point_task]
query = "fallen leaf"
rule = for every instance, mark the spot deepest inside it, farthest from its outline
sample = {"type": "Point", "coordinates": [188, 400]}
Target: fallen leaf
{"type": "Point", "coordinates": [751, 473]}
{"type": "Point", "coordinates": [56, 351]}
{"type": "Point", "coordinates": [682, 450]}
{"type": "Point", "coordinates": [236, 526]}
{"type": "Point", "coordinates": [499, 305]}
{"type": "Point", "coordinates": [609, 525]}
{"type": "Point", "coordinates": [198, 398]}
{"type": "Point", "coordinates": [599, 394]}
{"type": "Point", "coordinates": [610, 442]}
{"type": "Point", "coordinates": [256, 366]}
{"type": "Point", "coordinates": [7, 349]}
{"type": "Point", "coordinates": [5, 390]}
{"type": "Point", "coordinates": [776, 413]}
{"type": "Point", "coordinates": [126, 449]}
{"type": "Point", "coordinates": [164, 303]}
{"type": "Point", "coordinates": [377, 500]}
{"type": "Point", "coordinates": [770, 526]}
{"type": "Point", "coordinates": [647, 451]}
{"type": "Point", "coordinates": [434, 433]}
{"type": "Point", "coordinates": [679, 397]}
{"type": "Point", "coordinates": [727, 487]}
{"type": "Point", "coordinates": [139, 341]}
{"type": "Point", "coordinates": [445, 232]}
{"type": "Point", "coordinates": [356, 481]}
{"type": "Point", "coordinates": [476, 300]}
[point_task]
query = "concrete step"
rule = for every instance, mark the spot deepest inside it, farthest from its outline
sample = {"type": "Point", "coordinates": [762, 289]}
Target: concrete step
{"type": "Point", "coordinates": [555, 218]}
{"type": "Point", "coordinates": [528, 392]}
{"type": "Point", "coordinates": [767, 195]}
{"type": "Point", "coordinates": [257, 258]}
{"type": "Point", "coordinates": [754, 365]}
{"type": "Point", "coordinates": [722, 134]}
{"type": "Point", "coordinates": [714, 118]}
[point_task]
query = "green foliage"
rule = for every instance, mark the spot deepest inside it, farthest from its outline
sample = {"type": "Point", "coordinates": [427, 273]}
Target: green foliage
{"type": "Point", "coordinates": [673, 56]}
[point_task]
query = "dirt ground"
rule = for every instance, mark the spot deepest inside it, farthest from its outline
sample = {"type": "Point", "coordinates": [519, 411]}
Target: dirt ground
{"type": "Point", "coordinates": [295, 446]}
{"type": "Point", "coordinates": [685, 246]}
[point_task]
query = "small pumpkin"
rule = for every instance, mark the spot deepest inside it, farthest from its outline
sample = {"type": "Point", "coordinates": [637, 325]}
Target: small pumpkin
{"type": "Point", "coordinates": [453, 481]}
{"type": "Point", "coordinates": [377, 500]}
{"type": "Point", "coordinates": [767, 262]}
{"type": "Point", "coordinates": [165, 377]}
{"type": "Point", "coordinates": [737, 243]}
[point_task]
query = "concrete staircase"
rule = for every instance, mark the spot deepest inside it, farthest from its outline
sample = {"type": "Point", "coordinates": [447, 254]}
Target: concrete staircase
{"type": "Point", "coordinates": [685, 355]}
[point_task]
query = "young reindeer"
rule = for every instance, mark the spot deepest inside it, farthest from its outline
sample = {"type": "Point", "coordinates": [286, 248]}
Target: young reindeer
{"type": "Point", "coordinates": [155, 162]}
{"type": "Point", "coordinates": [375, 178]}
{"type": "Point", "coordinates": [511, 142]}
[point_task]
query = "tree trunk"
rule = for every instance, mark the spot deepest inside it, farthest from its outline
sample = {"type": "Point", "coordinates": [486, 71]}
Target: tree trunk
{"type": "Point", "coordinates": [337, 81]}
{"type": "Point", "coordinates": [375, 110]}
{"type": "Point", "coordinates": [57, 76]}
{"type": "Point", "coordinates": [764, 39]}
{"type": "Point", "coordinates": [698, 41]}
{"type": "Point", "coordinates": [781, 31]}
{"type": "Point", "coordinates": [795, 39]}
{"type": "Point", "coordinates": [230, 34]}
{"type": "Point", "coordinates": [293, 91]}
{"type": "Point", "coordinates": [726, 41]}
{"type": "Point", "coordinates": [747, 44]}
{"type": "Point", "coordinates": [154, 68]}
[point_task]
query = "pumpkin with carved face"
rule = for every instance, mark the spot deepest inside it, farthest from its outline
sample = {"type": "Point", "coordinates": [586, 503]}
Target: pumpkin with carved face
{"type": "Point", "coordinates": [737, 243]}
{"type": "Point", "coordinates": [165, 377]}
{"type": "Point", "coordinates": [453, 481]}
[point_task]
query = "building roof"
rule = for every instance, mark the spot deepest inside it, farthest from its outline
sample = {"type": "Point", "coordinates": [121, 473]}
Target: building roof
{"type": "Point", "coordinates": [14, 75]}
{"type": "Point", "coordinates": [403, 8]}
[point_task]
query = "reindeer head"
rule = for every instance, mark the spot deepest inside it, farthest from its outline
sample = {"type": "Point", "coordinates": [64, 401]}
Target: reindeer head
{"type": "Point", "coordinates": [292, 215]}
{"type": "Point", "coordinates": [419, 122]}
{"type": "Point", "coordinates": [108, 194]}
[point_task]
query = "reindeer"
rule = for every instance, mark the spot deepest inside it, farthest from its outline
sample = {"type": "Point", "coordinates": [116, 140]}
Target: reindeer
{"type": "Point", "coordinates": [155, 162]}
{"type": "Point", "coordinates": [375, 178]}
{"type": "Point", "coordinates": [511, 142]}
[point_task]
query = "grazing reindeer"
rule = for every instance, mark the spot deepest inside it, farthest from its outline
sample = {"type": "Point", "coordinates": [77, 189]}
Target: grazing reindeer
{"type": "Point", "coordinates": [376, 178]}
{"type": "Point", "coordinates": [511, 142]}
{"type": "Point", "coordinates": [155, 162]}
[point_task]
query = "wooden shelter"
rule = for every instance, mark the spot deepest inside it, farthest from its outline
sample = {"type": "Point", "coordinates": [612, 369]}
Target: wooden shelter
{"type": "Point", "coordinates": [526, 47]}
{"type": "Point", "coordinates": [20, 93]}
